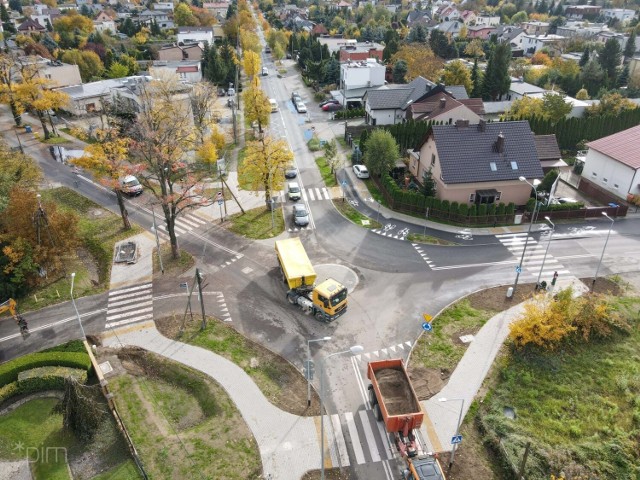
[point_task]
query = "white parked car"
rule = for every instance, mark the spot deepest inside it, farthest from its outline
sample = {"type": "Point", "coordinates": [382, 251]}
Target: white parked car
{"type": "Point", "coordinates": [361, 171]}
{"type": "Point", "coordinates": [301, 107]}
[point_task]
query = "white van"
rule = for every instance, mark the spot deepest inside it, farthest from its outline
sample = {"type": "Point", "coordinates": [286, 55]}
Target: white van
{"type": "Point", "coordinates": [265, 71]}
{"type": "Point", "coordinates": [294, 191]}
{"type": "Point", "coordinates": [131, 186]}
{"type": "Point", "coordinates": [274, 105]}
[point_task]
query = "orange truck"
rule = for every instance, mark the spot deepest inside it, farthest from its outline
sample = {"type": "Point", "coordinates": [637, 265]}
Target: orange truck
{"type": "Point", "coordinates": [394, 402]}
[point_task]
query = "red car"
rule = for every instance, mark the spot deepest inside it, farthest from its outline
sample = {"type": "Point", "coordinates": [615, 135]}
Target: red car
{"type": "Point", "coordinates": [331, 107]}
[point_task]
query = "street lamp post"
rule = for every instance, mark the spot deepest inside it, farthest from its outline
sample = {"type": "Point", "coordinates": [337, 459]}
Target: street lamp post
{"type": "Point", "coordinates": [595, 277]}
{"type": "Point", "coordinates": [84, 336]}
{"type": "Point", "coordinates": [535, 184]}
{"type": "Point", "coordinates": [453, 450]}
{"type": "Point", "coordinates": [155, 230]}
{"type": "Point", "coordinates": [553, 229]}
{"type": "Point", "coordinates": [354, 350]}
{"type": "Point", "coordinates": [309, 342]}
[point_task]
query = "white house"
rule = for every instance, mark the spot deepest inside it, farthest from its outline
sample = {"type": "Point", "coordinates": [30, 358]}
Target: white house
{"type": "Point", "coordinates": [61, 74]}
{"type": "Point", "coordinates": [357, 77]}
{"type": "Point", "coordinates": [163, 6]}
{"type": "Point", "coordinates": [534, 43]}
{"type": "Point", "coordinates": [187, 71]}
{"type": "Point", "coordinates": [624, 15]}
{"type": "Point", "coordinates": [613, 164]}
{"type": "Point", "coordinates": [488, 20]}
{"type": "Point", "coordinates": [195, 35]}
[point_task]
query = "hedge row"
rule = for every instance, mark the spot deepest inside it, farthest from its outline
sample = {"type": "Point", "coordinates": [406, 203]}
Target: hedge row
{"type": "Point", "coordinates": [37, 384]}
{"type": "Point", "coordinates": [407, 198]}
{"type": "Point", "coordinates": [554, 207]}
{"type": "Point", "coordinates": [9, 371]}
{"type": "Point", "coordinates": [351, 113]}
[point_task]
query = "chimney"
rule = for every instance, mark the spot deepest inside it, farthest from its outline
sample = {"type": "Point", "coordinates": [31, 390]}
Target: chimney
{"type": "Point", "coordinates": [500, 143]}
{"type": "Point", "coordinates": [482, 125]}
{"type": "Point", "coordinates": [462, 123]}
{"type": "Point", "coordinates": [443, 102]}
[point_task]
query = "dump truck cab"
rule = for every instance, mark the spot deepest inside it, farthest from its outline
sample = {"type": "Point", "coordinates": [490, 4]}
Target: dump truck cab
{"type": "Point", "coordinates": [331, 298]}
{"type": "Point", "coordinates": [424, 467]}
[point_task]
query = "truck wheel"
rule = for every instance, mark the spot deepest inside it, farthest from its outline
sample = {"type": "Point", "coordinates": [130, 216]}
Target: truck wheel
{"type": "Point", "coordinates": [319, 316]}
{"type": "Point", "coordinates": [292, 300]}
{"type": "Point", "coordinates": [377, 412]}
{"type": "Point", "coordinates": [372, 396]}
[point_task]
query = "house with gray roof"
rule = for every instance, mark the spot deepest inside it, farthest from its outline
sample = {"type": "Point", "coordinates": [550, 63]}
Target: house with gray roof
{"type": "Point", "coordinates": [387, 105]}
{"type": "Point", "coordinates": [477, 164]}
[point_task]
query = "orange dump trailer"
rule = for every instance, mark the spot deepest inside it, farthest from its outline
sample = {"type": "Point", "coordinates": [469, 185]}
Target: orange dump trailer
{"type": "Point", "coordinates": [394, 402]}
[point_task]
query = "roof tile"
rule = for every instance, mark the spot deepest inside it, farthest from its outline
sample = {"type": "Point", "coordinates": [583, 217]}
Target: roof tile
{"type": "Point", "coordinates": [622, 146]}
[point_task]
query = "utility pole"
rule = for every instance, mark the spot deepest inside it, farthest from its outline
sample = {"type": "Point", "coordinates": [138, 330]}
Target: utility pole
{"type": "Point", "coordinates": [199, 280]}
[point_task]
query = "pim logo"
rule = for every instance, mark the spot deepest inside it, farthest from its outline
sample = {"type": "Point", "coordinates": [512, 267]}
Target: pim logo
{"type": "Point", "coordinates": [42, 454]}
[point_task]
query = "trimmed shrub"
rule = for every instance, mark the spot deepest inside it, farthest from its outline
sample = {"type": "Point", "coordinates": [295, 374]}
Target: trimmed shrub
{"type": "Point", "coordinates": [511, 208]}
{"type": "Point", "coordinates": [314, 144]}
{"type": "Point", "coordinates": [463, 209]}
{"type": "Point", "coordinates": [79, 375]}
{"type": "Point", "coordinates": [446, 205]}
{"type": "Point", "coordinates": [482, 210]}
{"type": "Point", "coordinates": [473, 210]}
{"type": "Point", "coordinates": [9, 371]}
{"type": "Point", "coordinates": [501, 209]}
{"type": "Point", "coordinates": [492, 209]}
{"type": "Point", "coordinates": [454, 207]}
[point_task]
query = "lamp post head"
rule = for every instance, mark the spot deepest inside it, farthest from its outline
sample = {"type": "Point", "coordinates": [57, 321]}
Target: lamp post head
{"type": "Point", "coordinates": [326, 339]}
{"type": "Point", "coordinates": [73, 274]}
{"type": "Point", "coordinates": [356, 349]}
{"type": "Point", "coordinates": [443, 399]}
{"type": "Point", "coordinates": [536, 182]}
{"type": "Point", "coordinates": [522, 179]}
{"type": "Point", "coordinates": [604, 214]}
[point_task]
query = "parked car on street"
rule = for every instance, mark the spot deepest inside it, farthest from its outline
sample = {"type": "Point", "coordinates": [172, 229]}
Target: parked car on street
{"type": "Point", "coordinates": [295, 97]}
{"type": "Point", "coordinates": [294, 191]}
{"type": "Point", "coordinates": [290, 172]}
{"type": "Point", "coordinates": [131, 186]}
{"type": "Point", "coordinates": [332, 107]}
{"type": "Point", "coordinates": [300, 215]}
{"type": "Point", "coordinates": [301, 107]}
{"type": "Point", "coordinates": [265, 71]}
{"type": "Point", "coordinates": [231, 92]}
{"type": "Point", "coordinates": [361, 171]}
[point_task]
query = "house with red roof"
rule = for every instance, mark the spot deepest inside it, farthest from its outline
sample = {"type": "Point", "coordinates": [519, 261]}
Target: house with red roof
{"type": "Point", "coordinates": [612, 165]}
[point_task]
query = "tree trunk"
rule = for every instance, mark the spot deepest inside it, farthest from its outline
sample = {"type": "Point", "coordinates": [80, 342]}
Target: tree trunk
{"type": "Point", "coordinates": [16, 116]}
{"type": "Point", "coordinates": [47, 134]}
{"type": "Point", "coordinates": [123, 211]}
{"type": "Point", "coordinates": [171, 223]}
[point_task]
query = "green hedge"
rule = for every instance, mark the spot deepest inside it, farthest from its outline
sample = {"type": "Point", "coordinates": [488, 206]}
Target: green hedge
{"type": "Point", "coordinates": [72, 346]}
{"type": "Point", "coordinates": [36, 384]}
{"type": "Point", "coordinates": [351, 113]}
{"type": "Point", "coordinates": [9, 371]}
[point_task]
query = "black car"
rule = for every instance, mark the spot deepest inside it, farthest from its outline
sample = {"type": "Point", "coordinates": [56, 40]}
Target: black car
{"type": "Point", "coordinates": [290, 172]}
{"type": "Point", "coordinates": [326, 102]}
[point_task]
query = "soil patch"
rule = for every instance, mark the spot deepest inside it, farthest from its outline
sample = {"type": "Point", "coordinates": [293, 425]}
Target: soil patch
{"type": "Point", "coordinates": [395, 390]}
{"type": "Point", "coordinates": [428, 381]}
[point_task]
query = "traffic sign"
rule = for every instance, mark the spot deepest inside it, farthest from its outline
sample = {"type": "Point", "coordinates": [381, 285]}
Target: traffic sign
{"type": "Point", "coordinates": [518, 269]}
{"type": "Point", "coordinates": [427, 317]}
{"type": "Point", "coordinates": [427, 326]}
{"type": "Point", "coordinates": [344, 183]}
{"type": "Point", "coordinates": [220, 202]}
{"type": "Point", "coordinates": [219, 196]}
{"type": "Point", "coordinates": [456, 439]}
{"type": "Point", "coordinates": [184, 285]}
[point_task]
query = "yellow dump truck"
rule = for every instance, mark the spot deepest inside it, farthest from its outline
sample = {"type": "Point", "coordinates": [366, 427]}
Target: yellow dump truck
{"type": "Point", "coordinates": [326, 301]}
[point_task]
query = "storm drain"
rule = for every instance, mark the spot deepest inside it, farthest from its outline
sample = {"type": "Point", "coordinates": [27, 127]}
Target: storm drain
{"type": "Point", "coordinates": [126, 253]}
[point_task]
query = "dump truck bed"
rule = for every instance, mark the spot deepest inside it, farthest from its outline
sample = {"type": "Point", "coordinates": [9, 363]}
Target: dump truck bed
{"type": "Point", "coordinates": [397, 399]}
{"type": "Point", "coordinates": [295, 263]}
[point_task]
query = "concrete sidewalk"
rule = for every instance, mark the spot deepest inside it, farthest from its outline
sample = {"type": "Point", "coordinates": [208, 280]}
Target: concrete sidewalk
{"type": "Point", "coordinates": [442, 417]}
{"type": "Point", "coordinates": [288, 444]}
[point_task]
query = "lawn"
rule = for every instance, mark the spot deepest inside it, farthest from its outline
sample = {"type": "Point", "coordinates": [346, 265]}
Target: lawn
{"type": "Point", "coordinates": [183, 424]}
{"type": "Point", "coordinates": [259, 223]}
{"type": "Point", "coordinates": [325, 170]}
{"type": "Point", "coordinates": [354, 215]}
{"type": "Point", "coordinates": [98, 230]}
{"type": "Point", "coordinates": [245, 182]}
{"type": "Point", "coordinates": [35, 430]}
{"type": "Point", "coordinates": [174, 266]}
{"type": "Point", "coordinates": [441, 348]}
{"type": "Point", "coordinates": [579, 406]}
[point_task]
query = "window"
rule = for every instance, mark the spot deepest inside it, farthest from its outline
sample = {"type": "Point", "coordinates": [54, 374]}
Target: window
{"type": "Point", "coordinates": [498, 196]}
{"type": "Point", "coordinates": [514, 165]}
{"type": "Point", "coordinates": [493, 166]}
{"type": "Point", "coordinates": [472, 197]}
{"type": "Point", "coordinates": [433, 159]}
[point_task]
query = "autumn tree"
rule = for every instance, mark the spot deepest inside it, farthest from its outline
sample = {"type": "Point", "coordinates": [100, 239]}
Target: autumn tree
{"type": "Point", "coordinates": [474, 48]}
{"type": "Point", "coordinates": [251, 65]}
{"type": "Point", "coordinates": [203, 96]}
{"type": "Point", "coordinates": [35, 94]}
{"type": "Point", "coordinates": [161, 138]}
{"type": "Point", "coordinates": [18, 171]}
{"type": "Point", "coordinates": [72, 23]}
{"type": "Point", "coordinates": [256, 107]}
{"type": "Point", "coordinates": [265, 163]}
{"type": "Point", "coordinates": [183, 16]}
{"type": "Point", "coordinates": [381, 152]}
{"type": "Point", "coordinates": [457, 73]}
{"type": "Point", "coordinates": [88, 62]}
{"type": "Point", "coordinates": [8, 83]}
{"type": "Point", "coordinates": [107, 159]}
{"type": "Point", "coordinates": [420, 60]}
{"type": "Point", "coordinates": [38, 238]}
{"type": "Point", "coordinates": [331, 154]}
{"type": "Point", "coordinates": [611, 104]}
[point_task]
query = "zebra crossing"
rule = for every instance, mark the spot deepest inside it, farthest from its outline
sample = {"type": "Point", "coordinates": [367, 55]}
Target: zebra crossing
{"type": "Point", "coordinates": [534, 256]}
{"type": "Point", "coordinates": [183, 224]}
{"type": "Point", "coordinates": [311, 194]}
{"type": "Point", "coordinates": [419, 247]}
{"type": "Point", "coordinates": [129, 305]}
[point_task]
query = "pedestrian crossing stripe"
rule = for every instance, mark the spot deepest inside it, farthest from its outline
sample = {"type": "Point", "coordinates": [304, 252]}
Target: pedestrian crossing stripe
{"type": "Point", "coordinates": [129, 305]}
{"type": "Point", "coordinates": [534, 255]}
{"type": "Point", "coordinates": [183, 224]}
{"type": "Point", "coordinates": [423, 255]}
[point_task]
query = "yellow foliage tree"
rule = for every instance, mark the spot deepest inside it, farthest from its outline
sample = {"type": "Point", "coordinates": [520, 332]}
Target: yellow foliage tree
{"type": "Point", "coordinates": [545, 322]}
{"type": "Point", "coordinates": [34, 94]}
{"type": "Point", "coordinates": [251, 64]}
{"type": "Point", "coordinates": [264, 164]}
{"type": "Point", "coordinates": [72, 21]}
{"type": "Point", "coordinates": [421, 61]}
{"type": "Point", "coordinates": [457, 73]}
{"type": "Point", "coordinates": [256, 107]}
{"type": "Point", "coordinates": [107, 160]}
{"type": "Point", "coordinates": [525, 107]}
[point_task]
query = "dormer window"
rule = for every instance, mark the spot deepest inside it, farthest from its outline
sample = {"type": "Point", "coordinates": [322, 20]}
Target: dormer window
{"type": "Point", "coordinates": [494, 167]}
{"type": "Point", "coordinates": [514, 165]}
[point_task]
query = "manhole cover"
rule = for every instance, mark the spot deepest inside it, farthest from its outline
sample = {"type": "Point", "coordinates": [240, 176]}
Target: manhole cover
{"type": "Point", "coordinates": [106, 367]}
{"type": "Point", "coordinates": [466, 338]}
{"type": "Point", "coordinates": [509, 412]}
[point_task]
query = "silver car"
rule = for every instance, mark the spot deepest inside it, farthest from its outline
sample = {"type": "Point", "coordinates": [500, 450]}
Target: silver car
{"type": "Point", "coordinates": [300, 215]}
{"type": "Point", "coordinates": [301, 107]}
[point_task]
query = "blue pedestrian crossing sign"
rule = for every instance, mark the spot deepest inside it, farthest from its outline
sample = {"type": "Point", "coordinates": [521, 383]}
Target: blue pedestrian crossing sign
{"type": "Point", "coordinates": [456, 439]}
{"type": "Point", "coordinates": [427, 326]}
{"type": "Point", "coordinates": [518, 269]}
{"type": "Point", "coordinates": [344, 183]}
